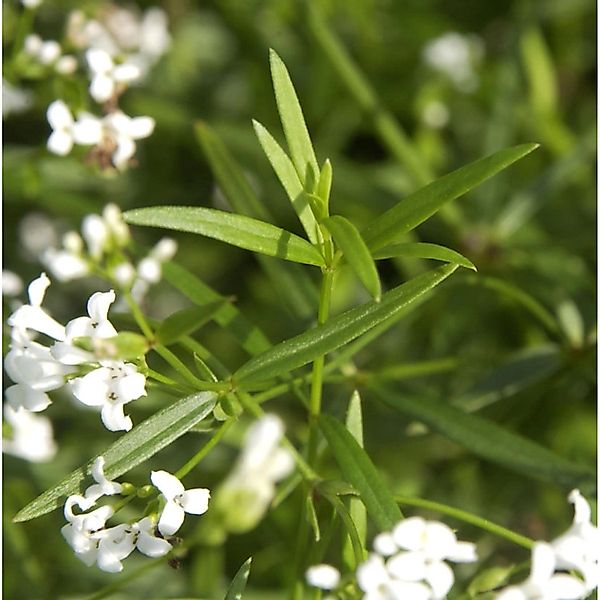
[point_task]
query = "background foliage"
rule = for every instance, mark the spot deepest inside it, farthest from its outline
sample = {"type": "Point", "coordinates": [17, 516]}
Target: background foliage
{"type": "Point", "coordinates": [515, 342]}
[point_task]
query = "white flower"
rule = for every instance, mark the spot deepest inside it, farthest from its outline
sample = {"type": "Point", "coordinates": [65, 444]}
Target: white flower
{"type": "Point", "coordinates": [31, 3]}
{"type": "Point", "coordinates": [81, 532]}
{"type": "Point", "coordinates": [102, 487]}
{"type": "Point", "coordinates": [33, 316]}
{"type": "Point", "coordinates": [64, 265]}
{"type": "Point", "coordinates": [245, 495]}
{"type": "Point", "coordinates": [32, 436]}
{"type": "Point", "coordinates": [324, 577]}
{"type": "Point", "coordinates": [179, 501]}
{"type": "Point", "coordinates": [455, 56]}
{"type": "Point", "coordinates": [124, 130]}
{"type": "Point", "coordinates": [374, 579]}
{"type": "Point", "coordinates": [114, 545]}
{"type": "Point", "coordinates": [147, 542]}
{"type": "Point", "coordinates": [14, 99]}
{"type": "Point", "coordinates": [12, 284]}
{"type": "Point", "coordinates": [66, 65]}
{"type": "Point", "coordinates": [96, 235]}
{"type": "Point", "coordinates": [543, 583]}
{"type": "Point", "coordinates": [110, 387]}
{"type": "Point", "coordinates": [579, 547]}
{"type": "Point", "coordinates": [65, 131]}
{"type": "Point", "coordinates": [113, 218]}
{"type": "Point", "coordinates": [106, 75]}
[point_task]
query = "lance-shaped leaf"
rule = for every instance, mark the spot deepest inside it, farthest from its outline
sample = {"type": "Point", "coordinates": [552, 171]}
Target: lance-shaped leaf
{"type": "Point", "coordinates": [292, 119]}
{"type": "Point", "coordinates": [421, 205]}
{"type": "Point", "coordinates": [286, 173]}
{"type": "Point", "coordinates": [296, 287]}
{"type": "Point", "coordinates": [340, 330]}
{"type": "Point", "coordinates": [237, 230]}
{"type": "Point", "coordinates": [249, 336]}
{"type": "Point", "coordinates": [349, 240]}
{"type": "Point", "coordinates": [358, 470]}
{"type": "Point", "coordinates": [130, 450]}
{"type": "Point", "coordinates": [186, 321]}
{"type": "Point", "coordinates": [424, 250]}
{"type": "Point", "coordinates": [488, 440]}
{"type": "Point", "coordinates": [238, 583]}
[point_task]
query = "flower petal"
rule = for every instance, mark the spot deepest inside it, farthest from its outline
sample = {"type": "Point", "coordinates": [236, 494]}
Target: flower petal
{"type": "Point", "coordinates": [147, 542]}
{"type": "Point", "coordinates": [141, 127]}
{"type": "Point", "coordinates": [60, 142]}
{"type": "Point", "coordinates": [409, 534]}
{"type": "Point", "coordinates": [195, 501]}
{"type": "Point", "coordinates": [167, 484]}
{"type": "Point", "coordinates": [87, 130]}
{"type": "Point", "coordinates": [440, 577]}
{"type": "Point", "coordinates": [171, 518]}
{"type": "Point", "coordinates": [114, 418]}
{"type": "Point", "coordinates": [99, 61]}
{"type": "Point", "coordinates": [59, 116]}
{"type": "Point", "coordinates": [98, 305]}
{"type": "Point", "coordinates": [21, 396]}
{"type": "Point", "coordinates": [407, 566]}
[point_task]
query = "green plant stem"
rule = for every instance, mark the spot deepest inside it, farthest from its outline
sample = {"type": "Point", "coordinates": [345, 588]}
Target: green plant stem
{"type": "Point", "coordinates": [139, 317]}
{"type": "Point", "coordinates": [480, 522]}
{"type": "Point", "coordinates": [318, 365]}
{"type": "Point", "coordinates": [214, 440]}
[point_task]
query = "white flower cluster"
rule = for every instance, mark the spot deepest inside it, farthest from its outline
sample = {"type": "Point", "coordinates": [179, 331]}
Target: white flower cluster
{"type": "Point", "coordinates": [455, 56]}
{"type": "Point", "coordinates": [577, 549]}
{"type": "Point", "coordinates": [246, 493]}
{"type": "Point", "coordinates": [93, 542]}
{"type": "Point", "coordinates": [119, 47]}
{"type": "Point", "coordinates": [37, 369]}
{"type": "Point", "coordinates": [106, 236]}
{"type": "Point", "coordinates": [408, 562]}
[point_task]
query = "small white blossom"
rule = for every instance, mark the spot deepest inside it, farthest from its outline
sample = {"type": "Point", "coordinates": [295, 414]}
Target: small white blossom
{"type": "Point", "coordinates": [178, 501]}
{"type": "Point", "coordinates": [110, 387]}
{"type": "Point", "coordinates": [324, 577]}
{"type": "Point", "coordinates": [31, 3]}
{"type": "Point", "coordinates": [124, 130]}
{"type": "Point", "coordinates": [106, 76]}
{"type": "Point", "coordinates": [12, 284]}
{"type": "Point", "coordinates": [32, 436]}
{"type": "Point", "coordinates": [102, 487]}
{"type": "Point", "coordinates": [66, 131]}
{"type": "Point", "coordinates": [146, 540]}
{"type": "Point", "coordinates": [14, 100]}
{"type": "Point", "coordinates": [114, 545]}
{"type": "Point", "coordinates": [543, 583]}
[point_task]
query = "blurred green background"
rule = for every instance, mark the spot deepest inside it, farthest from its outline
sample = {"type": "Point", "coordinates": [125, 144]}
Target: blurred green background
{"type": "Point", "coordinates": [519, 335]}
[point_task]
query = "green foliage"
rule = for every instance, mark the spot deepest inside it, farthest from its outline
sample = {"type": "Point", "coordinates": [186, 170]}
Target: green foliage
{"type": "Point", "coordinates": [238, 583]}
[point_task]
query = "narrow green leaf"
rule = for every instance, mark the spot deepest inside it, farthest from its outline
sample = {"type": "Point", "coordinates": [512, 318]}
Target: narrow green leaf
{"type": "Point", "coordinates": [325, 181]}
{"type": "Point", "coordinates": [358, 470]}
{"type": "Point", "coordinates": [348, 238]}
{"type": "Point", "coordinates": [311, 515]}
{"type": "Point", "coordinates": [358, 513]}
{"type": "Point", "coordinates": [340, 330]}
{"type": "Point", "coordinates": [520, 371]}
{"type": "Point", "coordinates": [286, 173]}
{"type": "Point", "coordinates": [292, 281]}
{"type": "Point", "coordinates": [237, 230]}
{"type": "Point", "coordinates": [130, 450]}
{"type": "Point", "coordinates": [238, 583]}
{"type": "Point", "coordinates": [292, 119]}
{"type": "Point", "coordinates": [488, 440]}
{"type": "Point", "coordinates": [424, 250]}
{"type": "Point", "coordinates": [186, 321]}
{"type": "Point", "coordinates": [249, 336]}
{"type": "Point", "coordinates": [489, 580]}
{"type": "Point", "coordinates": [421, 205]}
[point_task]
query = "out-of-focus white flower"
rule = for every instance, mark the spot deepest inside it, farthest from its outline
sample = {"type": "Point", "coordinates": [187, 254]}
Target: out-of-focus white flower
{"type": "Point", "coordinates": [324, 577]}
{"type": "Point", "coordinates": [110, 387]}
{"type": "Point", "coordinates": [66, 65]}
{"type": "Point", "coordinates": [86, 131]}
{"type": "Point", "coordinates": [246, 493]}
{"type": "Point", "coordinates": [374, 579]}
{"type": "Point", "coordinates": [178, 501]}
{"type": "Point", "coordinates": [49, 53]}
{"type": "Point", "coordinates": [32, 436]}
{"type": "Point", "coordinates": [113, 217]}
{"type": "Point", "coordinates": [14, 99]}
{"type": "Point", "coordinates": [435, 114]}
{"type": "Point", "coordinates": [149, 269]}
{"type": "Point", "coordinates": [455, 56]}
{"type": "Point", "coordinates": [124, 130]}
{"type": "Point", "coordinates": [102, 487]}
{"type": "Point", "coordinates": [543, 583]}
{"type": "Point", "coordinates": [106, 75]}
{"type": "Point", "coordinates": [36, 233]}
{"type": "Point", "coordinates": [12, 284]}
{"type": "Point", "coordinates": [579, 547]}
{"type": "Point", "coordinates": [31, 3]}
{"type": "Point", "coordinates": [123, 273]}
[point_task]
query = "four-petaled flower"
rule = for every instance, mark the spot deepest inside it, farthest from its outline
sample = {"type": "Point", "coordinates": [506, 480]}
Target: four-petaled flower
{"type": "Point", "coordinates": [178, 501]}
{"type": "Point", "coordinates": [106, 76]}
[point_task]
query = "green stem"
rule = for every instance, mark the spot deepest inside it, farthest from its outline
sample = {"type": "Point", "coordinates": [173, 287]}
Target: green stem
{"type": "Point", "coordinates": [480, 522]}
{"type": "Point", "coordinates": [214, 440]}
{"type": "Point", "coordinates": [139, 317]}
{"type": "Point", "coordinates": [318, 365]}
